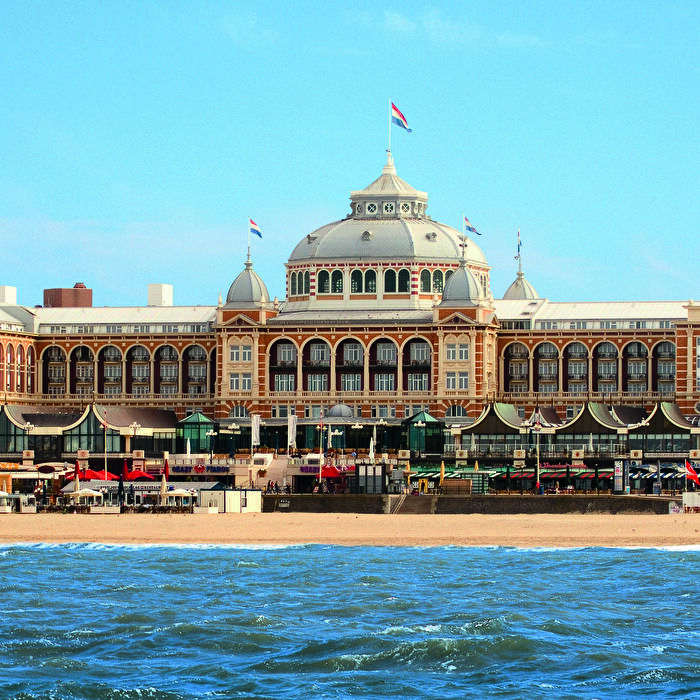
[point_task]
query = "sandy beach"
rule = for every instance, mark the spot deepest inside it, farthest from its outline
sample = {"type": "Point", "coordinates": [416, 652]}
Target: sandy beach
{"type": "Point", "coordinates": [623, 530]}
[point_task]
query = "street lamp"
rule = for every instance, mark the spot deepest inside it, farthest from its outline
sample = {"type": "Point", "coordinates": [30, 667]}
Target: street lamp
{"type": "Point", "coordinates": [420, 425]}
{"type": "Point", "coordinates": [357, 427]}
{"type": "Point", "coordinates": [382, 424]}
{"type": "Point", "coordinates": [236, 430]}
{"type": "Point", "coordinates": [134, 427]}
{"type": "Point", "coordinates": [210, 434]}
{"type": "Point", "coordinates": [536, 427]}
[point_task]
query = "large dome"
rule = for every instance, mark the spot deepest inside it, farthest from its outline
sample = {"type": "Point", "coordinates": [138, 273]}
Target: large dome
{"type": "Point", "coordinates": [387, 222]}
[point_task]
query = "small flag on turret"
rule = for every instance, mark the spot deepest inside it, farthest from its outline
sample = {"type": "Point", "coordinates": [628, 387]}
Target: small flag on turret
{"type": "Point", "coordinates": [398, 118]}
{"type": "Point", "coordinates": [254, 228]}
{"type": "Point", "coordinates": [469, 227]}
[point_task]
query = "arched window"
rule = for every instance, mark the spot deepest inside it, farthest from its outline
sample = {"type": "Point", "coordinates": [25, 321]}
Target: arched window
{"type": "Point", "coordinates": [455, 410]}
{"type": "Point", "coordinates": [19, 382]}
{"type": "Point", "coordinates": [293, 284]}
{"type": "Point", "coordinates": [390, 281]}
{"type": "Point", "coordinates": [30, 370]}
{"type": "Point", "coordinates": [371, 282]}
{"type": "Point", "coordinates": [337, 282]}
{"type": "Point", "coordinates": [437, 281]}
{"type": "Point", "coordinates": [448, 274]}
{"type": "Point", "coordinates": [324, 282]}
{"type": "Point", "coordinates": [425, 282]}
{"type": "Point", "coordinates": [404, 281]}
{"type": "Point", "coordinates": [9, 386]}
{"type": "Point", "coordinates": [307, 282]}
{"type": "Point", "coordinates": [356, 282]}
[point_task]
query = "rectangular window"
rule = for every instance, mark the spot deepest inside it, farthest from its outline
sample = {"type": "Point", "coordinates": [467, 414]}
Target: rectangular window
{"type": "Point", "coordinates": [246, 382]}
{"type": "Point", "coordinates": [317, 382]}
{"type": "Point", "coordinates": [286, 354]}
{"type": "Point", "coordinates": [246, 353]}
{"type": "Point", "coordinates": [451, 352]}
{"type": "Point", "coordinates": [140, 372]}
{"type": "Point", "coordinates": [113, 372]}
{"type": "Point", "coordinates": [318, 353]}
{"type": "Point", "coordinates": [168, 389]}
{"type": "Point", "coordinates": [384, 382]}
{"type": "Point", "coordinates": [577, 368]}
{"type": "Point", "coordinates": [235, 353]}
{"type": "Point", "coordinates": [350, 382]}
{"type": "Point", "coordinates": [607, 368]}
{"type": "Point", "coordinates": [114, 329]}
{"type": "Point", "coordinates": [451, 381]}
{"type": "Point", "coordinates": [234, 382]}
{"type": "Point", "coordinates": [463, 352]}
{"type": "Point", "coordinates": [166, 328]}
{"type": "Point", "coordinates": [142, 329]}
{"type": "Point", "coordinates": [420, 352]}
{"type": "Point", "coordinates": [463, 381]}
{"type": "Point", "coordinates": [548, 369]}
{"type": "Point", "coordinates": [418, 382]}
{"type": "Point", "coordinates": [284, 382]}
{"type": "Point", "coordinates": [352, 353]}
{"type": "Point", "coordinates": [168, 371]}
{"type": "Point", "coordinates": [386, 354]}
{"type": "Point", "coordinates": [578, 325]}
{"type": "Point", "coordinates": [638, 324]}
{"type": "Point", "coordinates": [608, 324]}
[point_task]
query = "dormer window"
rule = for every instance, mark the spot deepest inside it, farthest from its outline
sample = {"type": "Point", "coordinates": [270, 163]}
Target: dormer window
{"type": "Point", "coordinates": [367, 235]}
{"type": "Point", "coordinates": [431, 236]}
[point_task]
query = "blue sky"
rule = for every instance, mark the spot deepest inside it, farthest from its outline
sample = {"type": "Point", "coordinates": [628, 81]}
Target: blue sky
{"type": "Point", "coordinates": [138, 137]}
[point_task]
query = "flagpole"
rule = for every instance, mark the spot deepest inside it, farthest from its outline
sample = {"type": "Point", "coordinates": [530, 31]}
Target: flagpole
{"type": "Point", "coordinates": [248, 238]}
{"type": "Point", "coordinates": [389, 149]}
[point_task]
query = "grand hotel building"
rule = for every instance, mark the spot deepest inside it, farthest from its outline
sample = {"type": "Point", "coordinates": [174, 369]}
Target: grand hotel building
{"type": "Point", "coordinates": [388, 312]}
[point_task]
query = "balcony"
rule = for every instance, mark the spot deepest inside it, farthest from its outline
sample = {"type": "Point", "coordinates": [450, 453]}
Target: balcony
{"type": "Point", "coordinates": [518, 354]}
{"type": "Point", "coordinates": [140, 379]}
{"type": "Point", "coordinates": [287, 364]}
{"type": "Point", "coordinates": [518, 376]}
{"type": "Point", "coordinates": [666, 355]}
{"type": "Point", "coordinates": [113, 380]}
{"type": "Point", "coordinates": [666, 376]}
{"type": "Point", "coordinates": [607, 354]}
{"type": "Point", "coordinates": [637, 376]}
{"type": "Point", "coordinates": [197, 378]}
{"type": "Point", "coordinates": [318, 363]}
{"type": "Point", "coordinates": [577, 376]}
{"type": "Point", "coordinates": [577, 355]}
{"type": "Point", "coordinates": [351, 363]}
{"type": "Point", "coordinates": [383, 363]}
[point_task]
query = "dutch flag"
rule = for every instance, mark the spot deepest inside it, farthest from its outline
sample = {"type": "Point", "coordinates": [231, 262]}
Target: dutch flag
{"type": "Point", "coordinates": [254, 228]}
{"type": "Point", "coordinates": [398, 118]}
{"type": "Point", "coordinates": [469, 227]}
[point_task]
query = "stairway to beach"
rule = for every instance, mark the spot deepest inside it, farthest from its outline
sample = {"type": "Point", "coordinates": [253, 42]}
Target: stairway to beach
{"type": "Point", "coordinates": [416, 505]}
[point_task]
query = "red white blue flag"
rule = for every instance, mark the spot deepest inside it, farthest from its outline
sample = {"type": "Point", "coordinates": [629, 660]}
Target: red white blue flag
{"type": "Point", "coordinates": [398, 118]}
{"type": "Point", "coordinates": [254, 228]}
{"type": "Point", "coordinates": [469, 227]}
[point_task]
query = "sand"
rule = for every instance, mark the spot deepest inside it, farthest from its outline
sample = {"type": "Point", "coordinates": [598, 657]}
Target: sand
{"type": "Point", "coordinates": [572, 530]}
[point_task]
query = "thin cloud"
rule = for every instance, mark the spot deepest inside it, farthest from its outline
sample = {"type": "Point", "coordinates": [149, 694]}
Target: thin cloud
{"type": "Point", "coordinates": [440, 29]}
{"type": "Point", "coordinates": [246, 31]}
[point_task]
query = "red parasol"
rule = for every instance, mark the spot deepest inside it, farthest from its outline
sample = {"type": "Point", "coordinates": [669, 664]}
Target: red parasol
{"type": "Point", "coordinates": [138, 474]}
{"type": "Point", "coordinates": [166, 471]}
{"type": "Point", "coordinates": [92, 474]}
{"type": "Point", "coordinates": [125, 471]}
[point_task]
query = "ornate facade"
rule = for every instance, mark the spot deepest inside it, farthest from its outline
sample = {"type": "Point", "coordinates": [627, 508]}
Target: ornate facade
{"type": "Point", "coordinates": [387, 311]}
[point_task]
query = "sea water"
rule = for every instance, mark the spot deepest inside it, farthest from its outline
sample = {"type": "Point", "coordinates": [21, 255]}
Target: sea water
{"type": "Point", "coordinates": [99, 621]}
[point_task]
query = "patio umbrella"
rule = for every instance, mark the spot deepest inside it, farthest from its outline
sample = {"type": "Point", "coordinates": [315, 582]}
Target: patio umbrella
{"type": "Point", "coordinates": [166, 470]}
{"type": "Point", "coordinates": [120, 490]}
{"type": "Point", "coordinates": [371, 449]}
{"type": "Point", "coordinates": [76, 485]}
{"type": "Point", "coordinates": [476, 465]}
{"type": "Point", "coordinates": [442, 472]}
{"type": "Point", "coordinates": [138, 474]}
{"type": "Point", "coordinates": [103, 475]}
{"type": "Point", "coordinates": [125, 471]}
{"type": "Point", "coordinates": [163, 488]}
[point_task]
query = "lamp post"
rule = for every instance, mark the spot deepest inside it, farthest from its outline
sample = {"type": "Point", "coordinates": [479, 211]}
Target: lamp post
{"type": "Point", "coordinates": [382, 424]}
{"type": "Point", "coordinates": [536, 428]}
{"type": "Point", "coordinates": [420, 425]}
{"type": "Point", "coordinates": [235, 430]}
{"type": "Point", "coordinates": [210, 434]}
{"type": "Point", "coordinates": [357, 427]}
{"type": "Point", "coordinates": [134, 428]}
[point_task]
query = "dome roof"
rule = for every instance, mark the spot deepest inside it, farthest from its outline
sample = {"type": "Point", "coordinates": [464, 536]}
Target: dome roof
{"type": "Point", "coordinates": [248, 289]}
{"type": "Point", "coordinates": [388, 221]}
{"type": "Point", "coordinates": [340, 410]}
{"type": "Point", "coordinates": [462, 288]}
{"type": "Point", "coordinates": [521, 289]}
